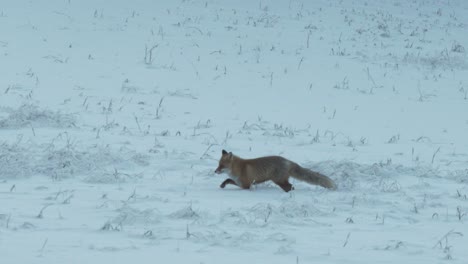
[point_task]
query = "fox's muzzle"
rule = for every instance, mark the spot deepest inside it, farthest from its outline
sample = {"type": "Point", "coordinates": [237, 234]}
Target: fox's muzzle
{"type": "Point", "coordinates": [219, 170]}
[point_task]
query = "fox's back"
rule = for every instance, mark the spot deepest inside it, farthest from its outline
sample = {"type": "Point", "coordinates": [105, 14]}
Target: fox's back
{"type": "Point", "coordinates": [266, 168]}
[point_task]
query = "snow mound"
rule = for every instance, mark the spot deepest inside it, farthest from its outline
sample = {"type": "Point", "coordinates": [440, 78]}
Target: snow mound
{"type": "Point", "coordinates": [14, 162]}
{"type": "Point", "coordinates": [380, 177]}
{"type": "Point", "coordinates": [63, 159]}
{"type": "Point", "coordinates": [133, 216]}
{"type": "Point", "coordinates": [31, 115]}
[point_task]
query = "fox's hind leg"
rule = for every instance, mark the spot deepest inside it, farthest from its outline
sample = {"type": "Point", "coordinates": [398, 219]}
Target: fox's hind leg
{"type": "Point", "coordinates": [285, 185]}
{"type": "Point", "coordinates": [228, 181]}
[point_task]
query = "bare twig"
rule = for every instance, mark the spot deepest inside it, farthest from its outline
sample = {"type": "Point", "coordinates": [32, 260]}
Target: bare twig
{"type": "Point", "coordinates": [159, 108]}
{"type": "Point", "coordinates": [149, 54]}
{"type": "Point", "coordinates": [138, 123]}
{"type": "Point", "coordinates": [434, 155]}
{"type": "Point", "coordinates": [347, 239]}
{"type": "Point", "coordinates": [445, 237]}
{"type": "Point", "coordinates": [41, 213]}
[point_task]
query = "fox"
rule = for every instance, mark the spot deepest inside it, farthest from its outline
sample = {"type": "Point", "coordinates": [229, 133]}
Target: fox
{"type": "Point", "coordinates": [247, 172]}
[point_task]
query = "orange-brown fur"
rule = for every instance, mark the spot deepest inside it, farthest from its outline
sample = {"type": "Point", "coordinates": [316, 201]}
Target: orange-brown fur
{"type": "Point", "coordinates": [245, 172]}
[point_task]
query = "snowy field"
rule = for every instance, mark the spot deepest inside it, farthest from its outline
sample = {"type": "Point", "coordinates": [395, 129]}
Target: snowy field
{"type": "Point", "coordinates": [113, 115]}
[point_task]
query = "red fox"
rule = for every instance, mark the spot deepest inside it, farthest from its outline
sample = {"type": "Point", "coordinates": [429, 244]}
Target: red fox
{"type": "Point", "coordinates": [245, 172]}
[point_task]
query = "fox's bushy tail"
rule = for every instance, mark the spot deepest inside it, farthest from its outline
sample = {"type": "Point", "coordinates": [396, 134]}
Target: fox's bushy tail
{"type": "Point", "coordinates": [311, 177]}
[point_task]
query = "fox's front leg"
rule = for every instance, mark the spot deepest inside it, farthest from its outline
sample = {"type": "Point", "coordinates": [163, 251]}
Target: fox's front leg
{"type": "Point", "coordinates": [228, 181]}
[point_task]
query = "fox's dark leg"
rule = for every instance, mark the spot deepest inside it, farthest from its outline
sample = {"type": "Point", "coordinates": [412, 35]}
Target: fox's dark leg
{"type": "Point", "coordinates": [228, 181]}
{"type": "Point", "coordinates": [285, 185]}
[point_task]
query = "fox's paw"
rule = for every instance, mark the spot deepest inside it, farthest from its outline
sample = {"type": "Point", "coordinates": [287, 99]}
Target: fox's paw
{"type": "Point", "coordinates": [227, 181]}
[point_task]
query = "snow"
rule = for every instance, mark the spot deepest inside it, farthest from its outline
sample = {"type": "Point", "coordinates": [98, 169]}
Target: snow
{"type": "Point", "coordinates": [113, 115]}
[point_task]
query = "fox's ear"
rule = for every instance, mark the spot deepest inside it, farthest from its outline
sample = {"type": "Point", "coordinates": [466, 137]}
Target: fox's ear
{"type": "Point", "coordinates": [224, 152]}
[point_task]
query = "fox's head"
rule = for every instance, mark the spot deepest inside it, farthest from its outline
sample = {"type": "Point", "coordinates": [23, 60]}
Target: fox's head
{"type": "Point", "coordinates": [224, 162]}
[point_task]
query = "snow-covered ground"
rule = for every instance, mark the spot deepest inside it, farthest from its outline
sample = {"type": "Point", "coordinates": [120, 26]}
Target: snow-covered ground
{"type": "Point", "coordinates": [113, 115]}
